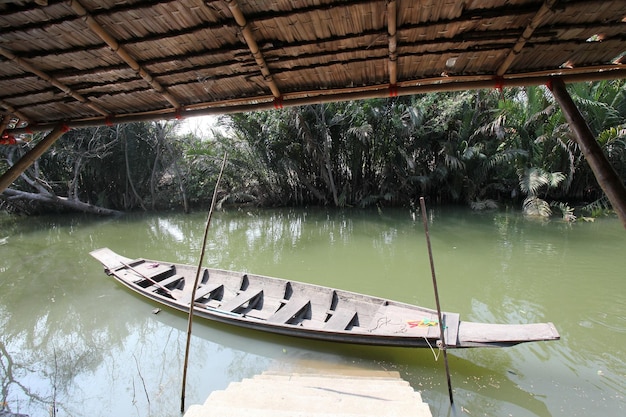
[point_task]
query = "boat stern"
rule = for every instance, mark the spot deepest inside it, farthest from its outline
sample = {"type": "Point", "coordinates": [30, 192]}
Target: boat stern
{"type": "Point", "coordinates": [500, 335]}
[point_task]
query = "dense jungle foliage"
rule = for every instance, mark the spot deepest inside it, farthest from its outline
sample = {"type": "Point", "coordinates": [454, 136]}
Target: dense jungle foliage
{"type": "Point", "coordinates": [478, 148]}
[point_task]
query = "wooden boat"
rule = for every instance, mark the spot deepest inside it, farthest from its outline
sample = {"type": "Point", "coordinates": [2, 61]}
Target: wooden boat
{"type": "Point", "coordinates": [305, 310]}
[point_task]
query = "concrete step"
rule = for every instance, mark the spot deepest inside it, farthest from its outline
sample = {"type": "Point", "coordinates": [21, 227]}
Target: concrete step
{"type": "Point", "coordinates": [281, 394]}
{"type": "Point", "coordinates": [229, 411]}
{"type": "Point", "coordinates": [310, 399]}
{"type": "Point", "coordinates": [380, 389]}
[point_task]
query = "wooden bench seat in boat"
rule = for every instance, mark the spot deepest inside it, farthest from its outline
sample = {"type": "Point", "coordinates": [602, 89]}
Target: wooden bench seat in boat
{"type": "Point", "coordinates": [340, 319]}
{"type": "Point", "coordinates": [201, 292]}
{"type": "Point", "coordinates": [241, 299]}
{"type": "Point", "coordinates": [289, 310]}
{"type": "Point", "coordinates": [207, 289]}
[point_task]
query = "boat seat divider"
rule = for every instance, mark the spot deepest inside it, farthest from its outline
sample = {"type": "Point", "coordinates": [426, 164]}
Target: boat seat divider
{"type": "Point", "coordinates": [340, 319]}
{"type": "Point", "coordinates": [289, 310]}
{"type": "Point", "coordinates": [241, 299]}
{"type": "Point", "coordinates": [201, 292]}
{"type": "Point", "coordinates": [207, 289]}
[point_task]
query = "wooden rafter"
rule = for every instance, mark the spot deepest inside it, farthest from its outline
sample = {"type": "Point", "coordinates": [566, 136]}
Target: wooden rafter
{"type": "Point", "coordinates": [253, 46]}
{"type": "Point", "coordinates": [122, 52]}
{"type": "Point", "coordinates": [476, 36]}
{"type": "Point", "coordinates": [362, 47]}
{"type": "Point", "coordinates": [4, 123]}
{"type": "Point", "coordinates": [302, 98]}
{"type": "Point", "coordinates": [544, 11]}
{"type": "Point", "coordinates": [392, 23]}
{"type": "Point", "coordinates": [27, 66]}
{"type": "Point", "coordinates": [12, 110]}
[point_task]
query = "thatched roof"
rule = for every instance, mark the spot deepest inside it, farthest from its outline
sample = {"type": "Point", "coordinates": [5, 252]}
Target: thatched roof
{"type": "Point", "coordinates": [91, 62]}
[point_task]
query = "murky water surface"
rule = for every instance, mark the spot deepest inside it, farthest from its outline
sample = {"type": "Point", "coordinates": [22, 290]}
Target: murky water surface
{"type": "Point", "coordinates": [73, 339]}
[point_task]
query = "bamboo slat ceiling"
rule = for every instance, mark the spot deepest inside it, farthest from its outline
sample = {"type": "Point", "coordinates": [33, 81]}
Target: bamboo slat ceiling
{"type": "Point", "coordinates": [93, 62]}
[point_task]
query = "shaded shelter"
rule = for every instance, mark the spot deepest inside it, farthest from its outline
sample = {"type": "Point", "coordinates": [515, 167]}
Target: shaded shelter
{"type": "Point", "coordinates": [80, 63]}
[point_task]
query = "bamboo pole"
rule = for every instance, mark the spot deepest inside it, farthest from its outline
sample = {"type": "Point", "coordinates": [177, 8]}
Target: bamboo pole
{"type": "Point", "coordinates": [27, 160]}
{"type": "Point", "coordinates": [392, 27]}
{"type": "Point", "coordinates": [195, 285]}
{"type": "Point", "coordinates": [5, 122]}
{"type": "Point", "coordinates": [246, 32]}
{"type": "Point", "coordinates": [144, 276]}
{"type": "Point", "coordinates": [441, 326]}
{"type": "Point", "coordinates": [430, 85]}
{"type": "Point", "coordinates": [609, 181]}
{"type": "Point", "coordinates": [122, 52]}
{"type": "Point", "coordinates": [27, 66]}
{"type": "Point", "coordinates": [544, 11]}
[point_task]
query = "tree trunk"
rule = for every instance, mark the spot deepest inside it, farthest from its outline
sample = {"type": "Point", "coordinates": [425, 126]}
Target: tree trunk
{"type": "Point", "coordinates": [177, 171]}
{"type": "Point", "coordinates": [128, 176]}
{"type": "Point", "coordinates": [606, 176]}
{"type": "Point", "coordinates": [59, 202]}
{"type": "Point", "coordinates": [153, 175]}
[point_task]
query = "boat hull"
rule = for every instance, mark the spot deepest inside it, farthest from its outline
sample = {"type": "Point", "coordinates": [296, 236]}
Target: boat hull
{"type": "Point", "coordinates": [310, 311]}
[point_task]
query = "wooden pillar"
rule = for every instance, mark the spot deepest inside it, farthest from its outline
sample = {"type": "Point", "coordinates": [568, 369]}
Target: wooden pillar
{"type": "Point", "coordinates": [27, 160]}
{"type": "Point", "coordinates": [608, 179]}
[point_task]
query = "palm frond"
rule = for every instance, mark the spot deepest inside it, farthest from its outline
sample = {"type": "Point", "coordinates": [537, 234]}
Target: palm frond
{"type": "Point", "coordinates": [481, 205]}
{"type": "Point", "coordinates": [567, 212]}
{"type": "Point", "coordinates": [454, 163]}
{"type": "Point", "coordinates": [535, 206]}
{"type": "Point", "coordinates": [597, 208]}
{"type": "Point", "coordinates": [555, 178]}
{"type": "Point", "coordinates": [531, 180]}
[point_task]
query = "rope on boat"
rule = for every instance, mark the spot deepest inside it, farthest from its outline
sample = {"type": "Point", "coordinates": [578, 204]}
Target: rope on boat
{"type": "Point", "coordinates": [435, 354]}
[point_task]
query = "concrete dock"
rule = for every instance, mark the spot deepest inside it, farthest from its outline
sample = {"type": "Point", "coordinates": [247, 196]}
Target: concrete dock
{"type": "Point", "coordinates": [315, 394]}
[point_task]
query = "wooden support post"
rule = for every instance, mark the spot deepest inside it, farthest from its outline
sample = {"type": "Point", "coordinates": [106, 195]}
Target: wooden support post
{"type": "Point", "coordinates": [439, 315]}
{"type": "Point", "coordinates": [606, 176]}
{"type": "Point", "coordinates": [27, 160]}
{"type": "Point", "coordinates": [195, 286]}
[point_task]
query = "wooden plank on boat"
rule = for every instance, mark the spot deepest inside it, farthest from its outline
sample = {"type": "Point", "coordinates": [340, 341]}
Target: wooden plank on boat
{"type": "Point", "coordinates": [506, 333]}
{"type": "Point", "coordinates": [241, 299]}
{"type": "Point", "coordinates": [289, 310]}
{"type": "Point", "coordinates": [201, 292]}
{"type": "Point", "coordinates": [340, 319]}
{"type": "Point", "coordinates": [207, 289]}
{"type": "Point", "coordinates": [110, 259]}
{"type": "Point", "coordinates": [451, 322]}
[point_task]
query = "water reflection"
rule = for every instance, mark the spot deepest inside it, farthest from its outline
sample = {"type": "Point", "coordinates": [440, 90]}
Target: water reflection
{"type": "Point", "coordinates": [70, 337]}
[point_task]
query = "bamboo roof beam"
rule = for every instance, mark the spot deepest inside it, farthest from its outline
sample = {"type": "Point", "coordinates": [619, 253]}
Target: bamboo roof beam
{"type": "Point", "coordinates": [392, 22]}
{"type": "Point", "coordinates": [253, 46]}
{"type": "Point", "coordinates": [4, 123]}
{"type": "Point", "coordinates": [302, 98]}
{"type": "Point", "coordinates": [122, 52]}
{"type": "Point", "coordinates": [27, 160]}
{"type": "Point", "coordinates": [27, 66]}
{"type": "Point", "coordinates": [12, 110]}
{"type": "Point", "coordinates": [544, 11]}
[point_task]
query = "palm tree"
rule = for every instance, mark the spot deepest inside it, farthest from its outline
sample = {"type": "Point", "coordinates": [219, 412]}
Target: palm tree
{"type": "Point", "coordinates": [531, 132]}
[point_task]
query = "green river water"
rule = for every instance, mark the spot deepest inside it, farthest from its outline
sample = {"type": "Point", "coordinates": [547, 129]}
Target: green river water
{"type": "Point", "coordinates": [72, 340]}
